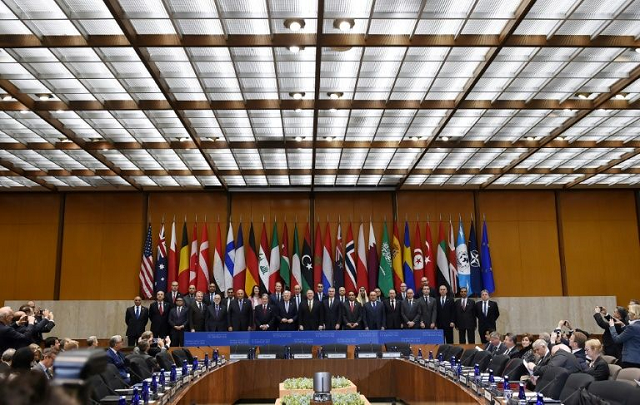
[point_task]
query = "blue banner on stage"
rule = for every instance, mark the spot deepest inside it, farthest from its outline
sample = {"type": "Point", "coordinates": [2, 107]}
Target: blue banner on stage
{"type": "Point", "coordinates": [318, 338]}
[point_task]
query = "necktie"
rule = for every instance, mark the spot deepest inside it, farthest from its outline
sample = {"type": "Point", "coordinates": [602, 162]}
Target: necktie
{"type": "Point", "coordinates": [352, 307]}
{"type": "Point", "coordinates": [264, 309]}
{"type": "Point", "coordinates": [410, 302]}
{"type": "Point", "coordinates": [137, 312]}
{"type": "Point", "coordinates": [199, 306]}
{"type": "Point", "coordinates": [442, 301]}
{"type": "Point", "coordinates": [161, 309]}
{"type": "Point", "coordinates": [485, 308]}
{"type": "Point", "coordinates": [179, 310]}
{"type": "Point", "coordinates": [217, 310]}
{"type": "Point", "coordinates": [330, 302]}
{"type": "Point", "coordinates": [393, 304]}
{"type": "Point", "coordinates": [310, 305]}
{"type": "Point", "coordinates": [174, 297]}
{"type": "Point", "coordinates": [211, 297]}
{"type": "Point", "coordinates": [286, 307]}
{"type": "Point", "coordinates": [240, 304]}
{"type": "Point", "coordinates": [278, 296]}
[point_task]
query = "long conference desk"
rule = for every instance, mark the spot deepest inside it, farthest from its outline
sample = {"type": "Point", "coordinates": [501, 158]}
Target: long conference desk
{"type": "Point", "coordinates": [375, 378]}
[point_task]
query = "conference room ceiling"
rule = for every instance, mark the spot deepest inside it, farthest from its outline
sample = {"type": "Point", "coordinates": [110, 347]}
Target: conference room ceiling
{"type": "Point", "coordinates": [409, 94]}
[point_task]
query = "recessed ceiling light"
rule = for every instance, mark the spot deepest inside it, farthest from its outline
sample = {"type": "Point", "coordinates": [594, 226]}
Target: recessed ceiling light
{"type": "Point", "coordinates": [295, 48]}
{"type": "Point", "coordinates": [298, 110]}
{"type": "Point", "coordinates": [444, 138]}
{"type": "Point", "coordinates": [414, 138]}
{"type": "Point", "coordinates": [530, 138]}
{"type": "Point", "coordinates": [334, 95]}
{"type": "Point", "coordinates": [64, 140]}
{"type": "Point", "coordinates": [583, 96]}
{"type": "Point", "coordinates": [297, 95]}
{"type": "Point", "coordinates": [423, 138]}
{"type": "Point", "coordinates": [298, 139]}
{"type": "Point", "coordinates": [561, 138]}
{"type": "Point", "coordinates": [620, 96]}
{"type": "Point", "coordinates": [328, 138]}
{"type": "Point", "coordinates": [59, 111]}
{"type": "Point", "coordinates": [24, 111]}
{"type": "Point", "coordinates": [45, 97]}
{"type": "Point", "coordinates": [6, 97]}
{"type": "Point", "coordinates": [219, 139]}
{"type": "Point", "coordinates": [344, 24]}
{"type": "Point", "coordinates": [332, 110]}
{"type": "Point", "coordinates": [637, 50]}
{"type": "Point", "coordinates": [95, 139]}
{"type": "Point", "coordinates": [294, 24]}
{"type": "Point", "coordinates": [184, 139]}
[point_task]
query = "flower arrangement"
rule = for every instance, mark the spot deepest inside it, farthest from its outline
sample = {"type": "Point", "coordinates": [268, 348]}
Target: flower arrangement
{"type": "Point", "coordinates": [337, 399]}
{"type": "Point", "coordinates": [305, 383]}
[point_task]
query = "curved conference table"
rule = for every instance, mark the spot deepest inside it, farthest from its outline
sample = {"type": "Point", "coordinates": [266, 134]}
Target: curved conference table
{"type": "Point", "coordinates": [375, 378]}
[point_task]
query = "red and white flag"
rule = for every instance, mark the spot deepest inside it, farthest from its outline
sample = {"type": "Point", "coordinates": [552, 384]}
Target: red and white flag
{"type": "Point", "coordinates": [218, 268]}
{"type": "Point", "coordinates": [193, 258]}
{"type": "Point", "coordinates": [202, 278]}
{"type": "Point", "coordinates": [173, 256]}
{"type": "Point", "coordinates": [146, 268]}
{"type": "Point", "coordinates": [453, 260]}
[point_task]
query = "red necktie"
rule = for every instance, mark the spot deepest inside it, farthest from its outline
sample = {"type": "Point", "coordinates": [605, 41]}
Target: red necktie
{"type": "Point", "coordinates": [161, 309]}
{"type": "Point", "coordinates": [351, 306]}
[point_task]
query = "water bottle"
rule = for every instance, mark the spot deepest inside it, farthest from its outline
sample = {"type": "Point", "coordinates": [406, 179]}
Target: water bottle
{"type": "Point", "coordinates": [185, 368]}
{"type": "Point", "coordinates": [122, 401]}
{"type": "Point", "coordinates": [286, 352]}
{"type": "Point", "coordinates": [206, 360]}
{"type": "Point", "coordinates": [492, 379]}
{"type": "Point", "coordinates": [215, 356]}
{"type": "Point", "coordinates": [356, 352]}
{"type": "Point", "coordinates": [430, 355]}
{"type": "Point", "coordinates": [506, 388]}
{"type": "Point", "coordinates": [161, 378]}
{"type": "Point", "coordinates": [154, 384]}
{"type": "Point", "coordinates": [476, 372]}
{"type": "Point", "coordinates": [453, 362]}
{"type": "Point", "coordinates": [539, 399]}
{"type": "Point", "coordinates": [459, 370]}
{"type": "Point", "coordinates": [195, 364]}
{"type": "Point", "coordinates": [174, 374]}
{"type": "Point", "coordinates": [419, 353]}
{"type": "Point", "coordinates": [522, 397]}
{"type": "Point", "coordinates": [145, 392]}
{"type": "Point", "coordinates": [251, 353]}
{"type": "Point", "coordinates": [135, 399]}
{"type": "Point", "coordinates": [441, 357]}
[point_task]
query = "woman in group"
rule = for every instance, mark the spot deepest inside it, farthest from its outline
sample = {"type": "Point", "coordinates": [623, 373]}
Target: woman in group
{"type": "Point", "coordinates": [602, 319]}
{"type": "Point", "coordinates": [526, 352]}
{"type": "Point", "coordinates": [255, 297]}
{"type": "Point", "coordinates": [598, 367]}
{"type": "Point", "coordinates": [630, 337]}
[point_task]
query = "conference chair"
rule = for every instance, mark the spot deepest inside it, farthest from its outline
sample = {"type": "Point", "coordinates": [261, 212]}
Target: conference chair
{"type": "Point", "coordinates": [278, 350]}
{"type": "Point", "coordinates": [189, 355]}
{"type": "Point", "coordinates": [99, 389]}
{"type": "Point", "coordinates": [165, 361]}
{"type": "Point", "coordinates": [482, 359]}
{"type": "Point", "coordinates": [514, 370]}
{"type": "Point", "coordinates": [301, 348]}
{"type": "Point", "coordinates": [401, 347]}
{"type": "Point", "coordinates": [614, 369]}
{"type": "Point", "coordinates": [139, 368]}
{"type": "Point", "coordinates": [334, 348]}
{"type": "Point", "coordinates": [615, 392]}
{"type": "Point", "coordinates": [454, 351]}
{"type": "Point", "coordinates": [467, 357]}
{"type": "Point", "coordinates": [498, 363]}
{"type": "Point", "coordinates": [574, 382]}
{"type": "Point", "coordinates": [112, 378]}
{"type": "Point", "coordinates": [442, 349]}
{"type": "Point", "coordinates": [550, 384]}
{"type": "Point", "coordinates": [609, 359]}
{"type": "Point", "coordinates": [628, 375]}
{"type": "Point", "coordinates": [179, 356]}
{"type": "Point", "coordinates": [370, 348]}
{"type": "Point", "coordinates": [241, 349]}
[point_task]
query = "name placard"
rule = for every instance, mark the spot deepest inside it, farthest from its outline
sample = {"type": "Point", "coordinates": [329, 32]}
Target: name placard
{"type": "Point", "coordinates": [266, 356]}
{"type": "Point", "coordinates": [336, 355]}
{"type": "Point", "coordinates": [303, 356]}
{"type": "Point", "coordinates": [367, 355]}
{"type": "Point", "coordinates": [238, 356]}
{"type": "Point", "coordinates": [391, 355]}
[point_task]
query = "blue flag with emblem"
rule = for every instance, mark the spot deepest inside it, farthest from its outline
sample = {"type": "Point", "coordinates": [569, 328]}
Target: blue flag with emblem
{"type": "Point", "coordinates": [485, 261]}
{"type": "Point", "coordinates": [161, 264]}
{"type": "Point", "coordinates": [475, 285]}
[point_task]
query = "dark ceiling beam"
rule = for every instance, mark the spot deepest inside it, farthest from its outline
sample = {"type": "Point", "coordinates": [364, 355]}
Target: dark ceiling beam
{"type": "Point", "coordinates": [605, 168]}
{"type": "Point", "coordinates": [316, 93]}
{"type": "Point", "coordinates": [12, 170]}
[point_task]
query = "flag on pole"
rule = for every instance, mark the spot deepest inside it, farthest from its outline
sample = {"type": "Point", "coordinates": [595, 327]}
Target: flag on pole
{"type": "Point", "coordinates": [485, 261]}
{"type": "Point", "coordinates": [317, 258]}
{"type": "Point", "coordinates": [361, 262]}
{"type": "Point", "coordinates": [418, 257]}
{"type": "Point", "coordinates": [372, 259]}
{"type": "Point", "coordinates": [474, 261]}
{"type": "Point", "coordinates": [204, 266]}
{"type": "Point", "coordinates": [396, 258]}
{"type": "Point", "coordinates": [385, 277]}
{"type": "Point", "coordinates": [285, 267]}
{"type": "Point", "coordinates": [173, 255]}
{"type": "Point", "coordinates": [338, 269]}
{"type": "Point", "coordinates": [350, 263]}
{"type": "Point", "coordinates": [296, 271]}
{"type": "Point", "coordinates": [160, 278]}
{"type": "Point", "coordinates": [307, 262]}
{"type": "Point", "coordinates": [443, 277]}
{"type": "Point", "coordinates": [453, 261]}
{"type": "Point", "coordinates": [327, 262]}
{"type": "Point", "coordinates": [407, 260]}
{"type": "Point", "coordinates": [462, 256]}
{"type": "Point", "coordinates": [252, 276]}
{"type": "Point", "coordinates": [274, 259]}
{"type": "Point", "coordinates": [429, 259]}
{"type": "Point", "coordinates": [193, 257]}
{"type": "Point", "coordinates": [239, 263]}
{"type": "Point", "coordinates": [218, 267]}
{"type": "Point", "coordinates": [229, 258]}
{"type": "Point", "coordinates": [183, 268]}
{"type": "Point", "coordinates": [263, 260]}
{"type": "Point", "coordinates": [146, 268]}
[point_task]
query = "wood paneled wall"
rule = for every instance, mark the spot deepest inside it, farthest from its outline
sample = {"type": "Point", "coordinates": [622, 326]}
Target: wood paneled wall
{"type": "Point", "coordinates": [543, 243]}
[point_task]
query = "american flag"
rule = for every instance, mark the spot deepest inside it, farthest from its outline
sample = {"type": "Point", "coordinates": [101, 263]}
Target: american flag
{"type": "Point", "coordinates": [161, 264]}
{"type": "Point", "coordinates": [146, 268]}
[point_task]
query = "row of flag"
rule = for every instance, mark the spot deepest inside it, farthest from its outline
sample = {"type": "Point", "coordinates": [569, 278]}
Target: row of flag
{"type": "Point", "coordinates": [454, 262]}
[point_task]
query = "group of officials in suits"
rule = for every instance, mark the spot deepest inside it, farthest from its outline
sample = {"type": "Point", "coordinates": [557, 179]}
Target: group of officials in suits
{"type": "Point", "coordinates": [172, 314]}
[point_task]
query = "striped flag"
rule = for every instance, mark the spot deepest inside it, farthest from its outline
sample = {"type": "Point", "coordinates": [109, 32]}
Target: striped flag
{"type": "Point", "coordinates": [443, 264]}
{"type": "Point", "coordinates": [146, 268]}
{"type": "Point", "coordinates": [429, 259]}
{"type": "Point", "coordinates": [183, 268]}
{"type": "Point", "coordinates": [204, 265]}
{"type": "Point", "coordinates": [193, 258]}
{"type": "Point", "coordinates": [229, 258]}
{"type": "Point", "coordinates": [317, 258]}
{"type": "Point", "coordinates": [327, 262]}
{"type": "Point", "coordinates": [239, 263]}
{"type": "Point", "coordinates": [462, 256]}
{"type": "Point", "coordinates": [161, 263]}
{"type": "Point", "coordinates": [338, 269]}
{"type": "Point", "coordinates": [385, 277]}
{"type": "Point", "coordinates": [453, 261]}
{"type": "Point", "coordinates": [407, 259]}
{"type": "Point", "coordinates": [396, 258]}
{"type": "Point", "coordinates": [372, 259]}
{"type": "Point", "coordinates": [218, 267]}
{"type": "Point", "coordinates": [361, 262]}
{"type": "Point", "coordinates": [350, 263]}
{"type": "Point", "coordinates": [285, 266]}
{"type": "Point", "coordinates": [296, 272]}
{"type": "Point", "coordinates": [252, 277]}
{"type": "Point", "coordinates": [173, 255]}
{"type": "Point", "coordinates": [418, 257]}
{"type": "Point", "coordinates": [263, 260]}
{"type": "Point", "coordinates": [306, 262]}
{"type": "Point", "coordinates": [274, 259]}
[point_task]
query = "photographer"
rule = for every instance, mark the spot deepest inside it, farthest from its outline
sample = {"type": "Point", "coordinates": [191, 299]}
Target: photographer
{"type": "Point", "coordinates": [602, 318]}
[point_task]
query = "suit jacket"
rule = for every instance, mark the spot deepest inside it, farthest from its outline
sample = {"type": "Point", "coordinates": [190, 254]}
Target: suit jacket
{"type": "Point", "coordinates": [332, 315]}
{"type": "Point", "coordinates": [513, 353]}
{"type": "Point", "coordinates": [465, 318]}
{"type": "Point", "coordinates": [117, 359]}
{"type": "Point", "coordinates": [445, 314]}
{"type": "Point", "coordinates": [428, 311]}
{"type": "Point", "coordinates": [42, 325]}
{"type": "Point", "coordinates": [495, 349]}
{"type": "Point", "coordinates": [216, 321]}
{"type": "Point", "coordinates": [169, 298]}
{"type": "Point", "coordinates": [599, 369]}
{"type": "Point", "coordinates": [316, 296]}
{"type": "Point", "coordinates": [10, 338]}
{"type": "Point", "coordinates": [487, 322]}
{"type": "Point", "coordinates": [207, 298]}
{"type": "Point", "coordinates": [562, 359]}
{"type": "Point", "coordinates": [262, 317]}
{"type": "Point", "coordinates": [355, 316]}
{"type": "Point", "coordinates": [542, 363]}
{"type": "Point", "coordinates": [159, 323]}
{"type": "Point", "coordinates": [196, 317]}
{"type": "Point", "coordinates": [136, 326]}
{"type": "Point", "coordinates": [310, 319]}
{"type": "Point", "coordinates": [411, 313]}
{"type": "Point", "coordinates": [610, 347]}
{"type": "Point", "coordinates": [374, 317]}
{"type": "Point", "coordinates": [393, 316]}
{"type": "Point", "coordinates": [581, 355]}
{"type": "Point", "coordinates": [181, 319]}
{"type": "Point", "coordinates": [630, 339]}
{"type": "Point", "coordinates": [282, 313]}
{"type": "Point", "coordinates": [189, 299]}
{"type": "Point", "coordinates": [240, 319]}
{"type": "Point", "coordinates": [274, 301]}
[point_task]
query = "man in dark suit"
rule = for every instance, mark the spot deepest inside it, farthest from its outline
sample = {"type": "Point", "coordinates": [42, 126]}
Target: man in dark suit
{"type": "Point", "coordinates": [495, 345]}
{"type": "Point", "coordinates": [402, 295]}
{"type": "Point", "coordinates": [116, 358]}
{"type": "Point", "coordinates": [231, 295]}
{"type": "Point", "coordinates": [190, 297]}
{"type": "Point", "coordinates": [136, 318]}
{"type": "Point", "coordinates": [465, 317]}
{"type": "Point", "coordinates": [577, 342]}
{"type": "Point", "coordinates": [287, 315]}
{"type": "Point", "coordinates": [173, 294]}
{"type": "Point", "coordinates": [445, 318]}
{"type": "Point", "coordinates": [510, 346]}
{"type": "Point", "coordinates": [211, 294]}
{"type": "Point", "coordinates": [197, 314]}
{"type": "Point", "coordinates": [178, 321]}
{"type": "Point", "coordinates": [374, 313]}
{"type": "Point", "coordinates": [320, 295]}
{"type": "Point", "coordinates": [240, 313]}
{"type": "Point", "coordinates": [352, 313]}
{"type": "Point", "coordinates": [487, 313]}
{"type": "Point", "coordinates": [392, 311]}
{"type": "Point", "coordinates": [410, 311]}
{"type": "Point", "coordinates": [276, 297]}
{"type": "Point", "coordinates": [44, 322]}
{"type": "Point", "coordinates": [560, 357]}
{"type": "Point", "coordinates": [543, 355]}
{"type": "Point", "coordinates": [310, 313]}
{"type": "Point", "coordinates": [9, 337]}
{"type": "Point", "coordinates": [424, 281]}
{"type": "Point", "coordinates": [264, 315]}
{"type": "Point", "coordinates": [159, 316]}
{"type": "Point", "coordinates": [297, 297]}
{"type": "Point", "coordinates": [216, 319]}
{"type": "Point", "coordinates": [332, 311]}
{"type": "Point", "coordinates": [428, 311]}
{"type": "Point", "coordinates": [342, 295]}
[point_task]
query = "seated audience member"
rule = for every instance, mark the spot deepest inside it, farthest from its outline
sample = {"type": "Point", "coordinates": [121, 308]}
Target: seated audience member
{"type": "Point", "coordinates": [526, 350]}
{"type": "Point", "coordinates": [601, 317]}
{"type": "Point", "coordinates": [116, 357]}
{"type": "Point", "coordinates": [511, 349]}
{"type": "Point", "coordinates": [143, 351]}
{"type": "Point", "coordinates": [32, 388]}
{"type": "Point", "coordinates": [37, 353]}
{"type": "Point", "coordinates": [52, 341]}
{"type": "Point", "coordinates": [71, 345]}
{"type": "Point", "coordinates": [561, 356]}
{"type": "Point", "coordinates": [598, 367]}
{"type": "Point", "coordinates": [9, 337]}
{"type": "Point", "coordinates": [576, 343]}
{"type": "Point", "coordinates": [630, 338]}
{"type": "Point", "coordinates": [542, 357]}
{"type": "Point", "coordinates": [45, 365]}
{"type": "Point", "coordinates": [92, 342]}
{"type": "Point", "coordinates": [5, 363]}
{"type": "Point", "coordinates": [494, 345]}
{"type": "Point", "coordinates": [22, 360]}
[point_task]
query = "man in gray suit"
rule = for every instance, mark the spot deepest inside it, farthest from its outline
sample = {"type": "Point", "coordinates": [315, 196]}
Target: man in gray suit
{"type": "Point", "coordinates": [427, 309]}
{"type": "Point", "coordinates": [410, 311]}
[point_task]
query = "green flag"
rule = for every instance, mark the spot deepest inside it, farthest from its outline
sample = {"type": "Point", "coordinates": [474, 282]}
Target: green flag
{"type": "Point", "coordinates": [385, 275]}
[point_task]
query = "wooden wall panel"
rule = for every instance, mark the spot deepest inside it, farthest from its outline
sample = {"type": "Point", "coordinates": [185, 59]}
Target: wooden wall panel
{"type": "Point", "coordinates": [523, 238]}
{"type": "Point", "coordinates": [602, 253]}
{"type": "Point", "coordinates": [102, 246]}
{"type": "Point", "coordinates": [28, 245]}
